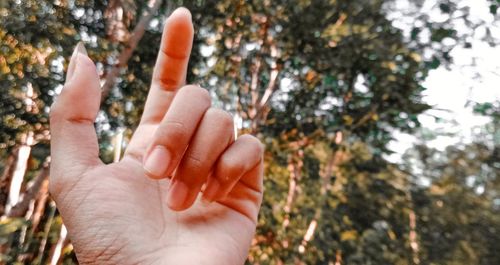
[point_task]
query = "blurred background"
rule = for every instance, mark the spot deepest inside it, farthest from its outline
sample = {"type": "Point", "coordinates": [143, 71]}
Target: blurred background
{"type": "Point", "coordinates": [380, 118]}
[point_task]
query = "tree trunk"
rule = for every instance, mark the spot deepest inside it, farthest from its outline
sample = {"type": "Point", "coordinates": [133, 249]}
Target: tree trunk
{"type": "Point", "coordinates": [19, 172]}
{"type": "Point", "coordinates": [31, 193]}
{"type": "Point", "coordinates": [8, 170]}
{"type": "Point", "coordinates": [56, 254]}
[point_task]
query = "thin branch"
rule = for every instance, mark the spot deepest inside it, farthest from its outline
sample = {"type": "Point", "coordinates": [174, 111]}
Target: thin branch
{"type": "Point", "coordinates": [253, 87]}
{"type": "Point", "coordinates": [295, 170]}
{"type": "Point", "coordinates": [338, 257]}
{"type": "Point", "coordinates": [48, 225]}
{"type": "Point", "coordinates": [130, 46]}
{"type": "Point", "coordinates": [271, 87]}
{"type": "Point", "coordinates": [332, 167]}
{"type": "Point", "coordinates": [413, 237]}
{"type": "Point", "coordinates": [262, 107]}
{"type": "Point", "coordinates": [365, 118]}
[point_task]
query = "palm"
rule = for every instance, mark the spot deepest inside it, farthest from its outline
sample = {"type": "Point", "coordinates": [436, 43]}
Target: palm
{"type": "Point", "coordinates": [145, 226]}
{"type": "Point", "coordinates": [132, 211]}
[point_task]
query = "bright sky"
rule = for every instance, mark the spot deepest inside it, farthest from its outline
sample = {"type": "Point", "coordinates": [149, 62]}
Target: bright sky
{"type": "Point", "coordinates": [449, 91]}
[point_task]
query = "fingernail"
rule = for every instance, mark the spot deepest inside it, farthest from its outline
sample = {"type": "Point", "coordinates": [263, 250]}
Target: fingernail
{"type": "Point", "coordinates": [211, 191]}
{"type": "Point", "coordinates": [79, 49]}
{"type": "Point", "coordinates": [177, 195]}
{"type": "Point", "coordinates": [180, 10]}
{"type": "Point", "coordinates": [156, 163]}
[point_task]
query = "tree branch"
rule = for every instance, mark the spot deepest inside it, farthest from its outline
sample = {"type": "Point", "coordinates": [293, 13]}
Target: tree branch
{"type": "Point", "coordinates": [130, 46]}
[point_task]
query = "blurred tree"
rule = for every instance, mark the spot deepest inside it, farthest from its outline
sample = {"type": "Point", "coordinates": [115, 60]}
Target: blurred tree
{"type": "Point", "coordinates": [459, 211]}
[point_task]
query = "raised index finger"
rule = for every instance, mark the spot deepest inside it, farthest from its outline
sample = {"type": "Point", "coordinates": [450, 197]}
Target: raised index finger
{"type": "Point", "coordinates": [171, 65]}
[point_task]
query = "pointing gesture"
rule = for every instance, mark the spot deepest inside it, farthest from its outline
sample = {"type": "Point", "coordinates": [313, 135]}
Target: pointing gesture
{"type": "Point", "coordinates": [150, 206]}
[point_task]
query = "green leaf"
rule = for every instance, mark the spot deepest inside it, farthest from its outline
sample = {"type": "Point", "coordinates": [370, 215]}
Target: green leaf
{"type": "Point", "coordinates": [493, 9]}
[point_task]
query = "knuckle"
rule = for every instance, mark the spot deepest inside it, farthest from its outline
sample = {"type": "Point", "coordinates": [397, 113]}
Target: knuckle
{"type": "Point", "coordinates": [168, 83]}
{"type": "Point", "coordinates": [197, 92]}
{"type": "Point", "coordinates": [232, 167]}
{"type": "Point", "coordinates": [253, 143]}
{"type": "Point", "coordinates": [194, 163]}
{"type": "Point", "coordinates": [172, 130]}
{"type": "Point", "coordinates": [56, 113]}
{"type": "Point", "coordinates": [221, 117]}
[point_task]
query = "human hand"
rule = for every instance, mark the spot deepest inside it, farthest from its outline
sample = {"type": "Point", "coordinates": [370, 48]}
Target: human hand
{"type": "Point", "coordinates": [132, 212]}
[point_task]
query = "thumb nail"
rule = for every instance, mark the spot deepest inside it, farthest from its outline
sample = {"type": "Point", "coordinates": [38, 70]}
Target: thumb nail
{"type": "Point", "coordinates": [79, 49]}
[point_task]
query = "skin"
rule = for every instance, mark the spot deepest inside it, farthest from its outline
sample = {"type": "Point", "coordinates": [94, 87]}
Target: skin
{"type": "Point", "coordinates": [152, 207]}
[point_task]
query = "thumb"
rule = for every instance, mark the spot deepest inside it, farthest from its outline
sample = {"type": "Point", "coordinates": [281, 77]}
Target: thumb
{"type": "Point", "coordinates": [74, 146]}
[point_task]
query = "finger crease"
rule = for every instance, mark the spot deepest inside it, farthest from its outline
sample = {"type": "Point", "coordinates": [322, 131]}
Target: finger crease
{"type": "Point", "coordinates": [195, 160]}
{"type": "Point", "coordinates": [175, 56]}
{"type": "Point", "coordinates": [168, 83]}
{"type": "Point", "coordinates": [80, 120]}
